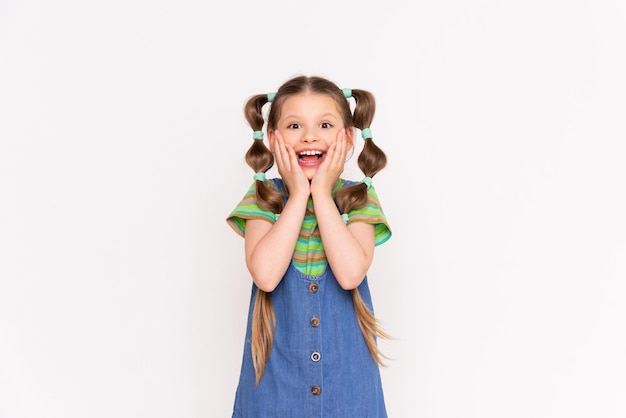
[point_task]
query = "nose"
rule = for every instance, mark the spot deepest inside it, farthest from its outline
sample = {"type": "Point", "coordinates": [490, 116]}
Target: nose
{"type": "Point", "coordinates": [309, 136]}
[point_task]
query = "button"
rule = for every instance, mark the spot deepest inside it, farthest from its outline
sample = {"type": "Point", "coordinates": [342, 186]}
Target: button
{"type": "Point", "coordinates": [316, 390]}
{"type": "Point", "coordinates": [315, 356]}
{"type": "Point", "coordinates": [313, 288]}
{"type": "Point", "coordinates": [315, 322]}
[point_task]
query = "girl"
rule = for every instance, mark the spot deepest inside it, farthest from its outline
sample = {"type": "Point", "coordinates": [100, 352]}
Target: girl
{"type": "Point", "coordinates": [310, 347]}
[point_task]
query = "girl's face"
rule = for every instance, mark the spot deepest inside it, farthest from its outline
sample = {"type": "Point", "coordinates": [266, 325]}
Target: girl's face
{"type": "Point", "coordinates": [310, 123]}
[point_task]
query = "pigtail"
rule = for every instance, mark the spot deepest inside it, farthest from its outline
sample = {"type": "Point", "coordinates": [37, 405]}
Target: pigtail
{"type": "Point", "coordinates": [370, 327]}
{"type": "Point", "coordinates": [259, 157]}
{"type": "Point", "coordinates": [263, 327]}
{"type": "Point", "coordinates": [371, 160]}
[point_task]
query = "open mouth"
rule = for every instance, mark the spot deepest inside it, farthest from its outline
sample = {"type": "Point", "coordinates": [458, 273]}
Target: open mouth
{"type": "Point", "coordinates": [309, 156]}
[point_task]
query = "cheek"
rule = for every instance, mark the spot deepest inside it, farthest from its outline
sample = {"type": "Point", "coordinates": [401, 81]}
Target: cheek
{"type": "Point", "coordinates": [290, 137]}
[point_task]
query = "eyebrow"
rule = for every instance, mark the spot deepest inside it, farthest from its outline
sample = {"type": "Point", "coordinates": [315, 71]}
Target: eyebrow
{"type": "Point", "coordinates": [325, 115]}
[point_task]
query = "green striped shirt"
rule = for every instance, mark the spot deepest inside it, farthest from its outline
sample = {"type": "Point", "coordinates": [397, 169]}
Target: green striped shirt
{"type": "Point", "coordinates": [309, 256]}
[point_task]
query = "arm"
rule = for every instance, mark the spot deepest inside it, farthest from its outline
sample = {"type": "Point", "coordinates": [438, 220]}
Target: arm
{"type": "Point", "coordinates": [269, 248]}
{"type": "Point", "coordinates": [349, 249]}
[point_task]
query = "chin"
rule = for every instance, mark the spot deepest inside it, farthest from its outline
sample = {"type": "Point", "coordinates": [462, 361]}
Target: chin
{"type": "Point", "coordinates": [309, 173]}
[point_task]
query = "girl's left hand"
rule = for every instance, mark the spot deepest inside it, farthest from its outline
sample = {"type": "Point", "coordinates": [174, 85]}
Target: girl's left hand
{"type": "Point", "coordinates": [332, 167]}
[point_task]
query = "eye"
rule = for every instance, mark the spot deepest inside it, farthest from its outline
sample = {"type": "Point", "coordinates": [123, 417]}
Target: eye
{"type": "Point", "coordinates": [326, 125]}
{"type": "Point", "coordinates": [293, 126]}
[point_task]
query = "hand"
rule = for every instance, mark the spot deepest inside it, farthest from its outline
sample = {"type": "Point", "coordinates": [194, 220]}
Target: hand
{"type": "Point", "coordinates": [288, 167]}
{"type": "Point", "coordinates": [332, 167]}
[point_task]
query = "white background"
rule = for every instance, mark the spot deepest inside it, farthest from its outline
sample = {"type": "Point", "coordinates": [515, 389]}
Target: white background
{"type": "Point", "coordinates": [123, 292]}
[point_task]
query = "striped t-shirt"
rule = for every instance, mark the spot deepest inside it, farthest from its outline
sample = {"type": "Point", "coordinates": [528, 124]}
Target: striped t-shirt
{"type": "Point", "coordinates": [309, 256]}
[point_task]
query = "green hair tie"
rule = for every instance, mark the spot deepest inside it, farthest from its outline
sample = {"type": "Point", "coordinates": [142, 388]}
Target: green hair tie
{"type": "Point", "coordinates": [257, 135]}
{"type": "Point", "coordinates": [259, 176]}
{"type": "Point", "coordinates": [347, 93]}
{"type": "Point", "coordinates": [270, 97]}
{"type": "Point", "coordinates": [366, 133]}
{"type": "Point", "coordinates": [368, 182]}
{"type": "Point", "coordinates": [344, 216]}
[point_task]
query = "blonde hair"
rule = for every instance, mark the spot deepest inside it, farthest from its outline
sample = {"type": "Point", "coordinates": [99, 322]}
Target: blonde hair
{"type": "Point", "coordinates": [371, 160]}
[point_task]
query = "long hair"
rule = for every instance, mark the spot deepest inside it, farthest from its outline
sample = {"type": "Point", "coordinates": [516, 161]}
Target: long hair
{"type": "Point", "coordinates": [371, 160]}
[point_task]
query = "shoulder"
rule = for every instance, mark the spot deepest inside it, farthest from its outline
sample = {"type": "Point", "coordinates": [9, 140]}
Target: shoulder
{"type": "Point", "coordinates": [371, 213]}
{"type": "Point", "coordinates": [248, 208]}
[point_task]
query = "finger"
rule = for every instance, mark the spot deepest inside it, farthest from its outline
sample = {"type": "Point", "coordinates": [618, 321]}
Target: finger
{"type": "Point", "coordinates": [339, 152]}
{"type": "Point", "coordinates": [330, 157]}
{"type": "Point", "coordinates": [281, 154]}
{"type": "Point", "coordinates": [291, 155]}
{"type": "Point", "coordinates": [342, 145]}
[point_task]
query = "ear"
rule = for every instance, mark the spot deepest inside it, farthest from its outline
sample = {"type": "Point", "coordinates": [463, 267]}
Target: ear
{"type": "Point", "coordinates": [271, 138]}
{"type": "Point", "coordinates": [350, 136]}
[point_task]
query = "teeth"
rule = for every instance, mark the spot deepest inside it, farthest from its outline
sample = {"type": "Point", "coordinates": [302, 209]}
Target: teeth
{"type": "Point", "coordinates": [310, 152]}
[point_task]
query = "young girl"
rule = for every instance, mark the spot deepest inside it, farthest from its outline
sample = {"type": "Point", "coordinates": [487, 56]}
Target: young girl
{"type": "Point", "coordinates": [310, 347]}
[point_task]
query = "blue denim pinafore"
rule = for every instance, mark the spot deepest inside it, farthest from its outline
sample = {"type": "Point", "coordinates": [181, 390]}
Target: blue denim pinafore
{"type": "Point", "coordinates": [320, 365]}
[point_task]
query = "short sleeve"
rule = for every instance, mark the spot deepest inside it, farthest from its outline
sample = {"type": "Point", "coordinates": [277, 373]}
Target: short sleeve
{"type": "Point", "coordinates": [372, 213]}
{"type": "Point", "coordinates": [248, 209]}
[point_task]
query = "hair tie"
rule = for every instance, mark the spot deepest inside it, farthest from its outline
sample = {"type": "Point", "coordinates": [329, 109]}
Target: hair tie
{"type": "Point", "coordinates": [368, 182]}
{"type": "Point", "coordinates": [366, 133]}
{"type": "Point", "coordinates": [344, 216]}
{"type": "Point", "coordinates": [347, 93]}
{"type": "Point", "coordinates": [259, 176]}
{"type": "Point", "coordinates": [270, 97]}
{"type": "Point", "coordinates": [257, 135]}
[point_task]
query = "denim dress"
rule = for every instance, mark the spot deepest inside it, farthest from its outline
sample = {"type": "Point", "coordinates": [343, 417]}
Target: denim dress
{"type": "Point", "coordinates": [320, 365]}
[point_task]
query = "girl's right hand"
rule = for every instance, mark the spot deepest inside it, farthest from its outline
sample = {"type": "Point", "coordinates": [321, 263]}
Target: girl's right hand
{"type": "Point", "coordinates": [288, 167]}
